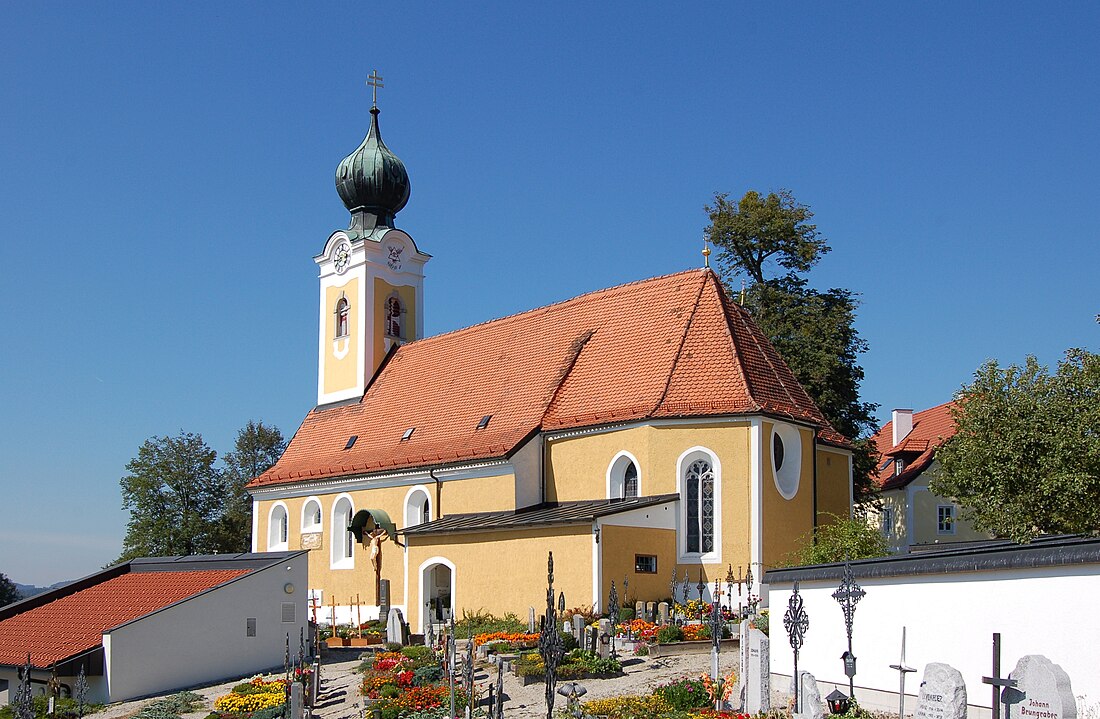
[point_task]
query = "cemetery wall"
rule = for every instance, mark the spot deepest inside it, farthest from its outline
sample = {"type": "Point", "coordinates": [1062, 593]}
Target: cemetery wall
{"type": "Point", "coordinates": [834, 483]}
{"type": "Point", "coordinates": [1040, 597]}
{"type": "Point", "coordinates": [204, 638]}
{"type": "Point", "coordinates": [493, 572]}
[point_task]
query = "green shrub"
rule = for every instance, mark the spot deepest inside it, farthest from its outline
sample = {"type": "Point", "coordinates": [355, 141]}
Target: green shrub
{"type": "Point", "coordinates": [626, 614]}
{"type": "Point", "coordinates": [64, 708]}
{"type": "Point", "coordinates": [670, 633]}
{"type": "Point", "coordinates": [388, 692]}
{"type": "Point", "coordinates": [270, 712]}
{"type": "Point", "coordinates": [586, 611]}
{"type": "Point", "coordinates": [427, 674]}
{"type": "Point", "coordinates": [171, 707]}
{"type": "Point", "coordinates": [393, 647]}
{"type": "Point", "coordinates": [568, 641]}
{"type": "Point", "coordinates": [762, 620]}
{"type": "Point", "coordinates": [684, 693]}
{"type": "Point", "coordinates": [485, 623]}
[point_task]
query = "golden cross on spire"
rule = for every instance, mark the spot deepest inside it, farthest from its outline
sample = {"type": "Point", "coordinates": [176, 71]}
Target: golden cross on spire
{"type": "Point", "coordinates": [706, 253]}
{"type": "Point", "coordinates": [374, 81]}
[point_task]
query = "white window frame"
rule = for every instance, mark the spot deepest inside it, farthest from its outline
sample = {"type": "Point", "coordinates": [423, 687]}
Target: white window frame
{"type": "Point", "coordinates": [278, 520]}
{"type": "Point", "coordinates": [887, 522]}
{"type": "Point", "coordinates": [952, 521]}
{"type": "Point", "coordinates": [418, 501]}
{"type": "Point", "coordinates": [682, 464]}
{"type": "Point", "coordinates": [308, 525]}
{"type": "Point", "coordinates": [616, 475]}
{"type": "Point", "coordinates": [342, 540]}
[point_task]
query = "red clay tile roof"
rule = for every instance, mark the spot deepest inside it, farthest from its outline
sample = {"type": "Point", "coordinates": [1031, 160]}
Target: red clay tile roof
{"type": "Point", "coordinates": [671, 346]}
{"type": "Point", "coordinates": [74, 623]}
{"type": "Point", "coordinates": [931, 428]}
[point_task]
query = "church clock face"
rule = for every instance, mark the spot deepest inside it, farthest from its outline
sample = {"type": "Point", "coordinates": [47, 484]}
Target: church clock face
{"type": "Point", "coordinates": [341, 257]}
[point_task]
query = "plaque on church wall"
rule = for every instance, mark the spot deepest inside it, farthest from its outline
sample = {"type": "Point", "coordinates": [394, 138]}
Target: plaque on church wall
{"type": "Point", "coordinates": [311, 540]}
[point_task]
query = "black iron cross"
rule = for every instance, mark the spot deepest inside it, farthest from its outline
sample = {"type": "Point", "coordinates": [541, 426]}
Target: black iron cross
{"type": "Point", "coordinates": [848, 594]}
{"type": "Point", "coordinates": [374, 81]}
{"type": "Point", "coordinates": [701, 587]}
{"type": "Point", "coordinates": [716, 622]}
{"type": "Point", "coordinates": [999, 684]}
{"type": "Point", "coordinates": [551, 647]}
{"type": "Point", "coordinates": [797, 623]}
{"type": "Point", "coordinates": [613, 613]}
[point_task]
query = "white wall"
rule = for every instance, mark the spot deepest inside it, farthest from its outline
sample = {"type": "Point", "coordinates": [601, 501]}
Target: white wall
{"type": "Point", "coordinates": [202, 639]}
{"type": "Point", "coordinates": [950, 618]}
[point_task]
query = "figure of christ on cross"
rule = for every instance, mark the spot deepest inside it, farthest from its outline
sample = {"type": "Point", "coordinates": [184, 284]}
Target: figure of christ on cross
{"type": "Point", "coordinates": [377, 536]}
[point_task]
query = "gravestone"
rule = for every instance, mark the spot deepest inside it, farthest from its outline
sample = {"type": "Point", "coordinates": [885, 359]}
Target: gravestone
{"type": "Point", "coordinates": [942, 693]}
{"type": "Point", "coordinates": [297, 709]}
{"type": "Point", "coordinates": [605, 638]}
{"type": "Point", "coordinates": [650, 611]}
{"type": "Point", "coordinates": [396, 627]}
{"type": "Point", "coordinates": [639, 610]}
{"type": "Point", "coordinates": [1045, 689]}
{"type": "Point", "coordinates": [592, 643]}
{"type": "Point", "coordinates": [531, 620]}
{"type": "Point", "coordinates": [578, 629]}
{"type": "Point", "coordinates": [742, 659]}
{"type": "Point", "coordinates": [809, 698]}
{"type": "Point", "coordinates": [384, 598]}
{"type": "Point", "coordinates": [758, 682]}
{"type": "Point", "coordinates": [662, 613]}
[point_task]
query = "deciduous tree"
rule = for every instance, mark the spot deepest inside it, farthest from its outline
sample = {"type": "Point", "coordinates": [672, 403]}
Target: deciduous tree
{"type": "Point", "coordinates": [838, 540]}
{"type": "Point", "coordinates": [771, 243]}
{"type": "Point", "coordinates": [8, 591]}
{"type": "Point", "coordinates": [1025, 459]}
{"type": "Point", "coordinates": [173, 492]}
{"type": "Point", "coordinates": [258, 447]}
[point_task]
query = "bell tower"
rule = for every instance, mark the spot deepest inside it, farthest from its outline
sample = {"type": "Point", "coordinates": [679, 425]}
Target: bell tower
{"type": "Point", "coordinates": [371, 274]}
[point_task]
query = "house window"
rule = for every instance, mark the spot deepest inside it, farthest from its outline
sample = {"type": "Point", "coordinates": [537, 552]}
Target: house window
{"type": "Point", "coordinates": [311, 516]}
{"type": "Point", "coordinates": [699, 491]}
{"type": "Point", "coordinates": [899, 466]}
{"type": "Point", "coordinates": [887, 522]}
{"type": "Point", "coordinates": [645, 564]}
{"type": "Point", "coordinates": [277, 529]}
{"type": "Point", "coordinates": [342, 317]}
{"type": "Point", "coordinates": [418, 509]}
{"type": "Point", "coordinates": [624, 481]}
{"type": "Point", "coordinates": [630, 482]}
{"type": "Point", "coordinates": [945, 519]}
{"type": "Point", "coordinates": [393, 317]}
{"type": "Point", "coordinates": [343, 541]}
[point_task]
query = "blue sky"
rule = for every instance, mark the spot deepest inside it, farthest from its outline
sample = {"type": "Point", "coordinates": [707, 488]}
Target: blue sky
{"type": "Point", "coordinates": [166, 176]}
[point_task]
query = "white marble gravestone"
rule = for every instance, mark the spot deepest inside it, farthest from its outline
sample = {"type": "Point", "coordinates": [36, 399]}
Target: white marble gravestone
{"type": "Point", "coordinates": [395, 627]}
{"type": "Point", "coordinates": [809, 698]}
{"type": "Point", "coordinates": [942, 693]}
{"type": "Point", "coordinates": [758, 682]}
{"type": "Point", "coordinates": [1046, 690]}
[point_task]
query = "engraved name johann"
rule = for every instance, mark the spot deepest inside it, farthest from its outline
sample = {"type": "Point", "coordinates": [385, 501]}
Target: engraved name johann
{"type": "Point", "coordinates": [1041, 710]}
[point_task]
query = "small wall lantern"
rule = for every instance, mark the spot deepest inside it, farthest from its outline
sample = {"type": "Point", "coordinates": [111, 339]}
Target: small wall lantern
{"type": "Point", "coordinates": [838, 701]}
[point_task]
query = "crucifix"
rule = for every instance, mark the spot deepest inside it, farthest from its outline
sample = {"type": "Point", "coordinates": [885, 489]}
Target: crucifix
{"type": "Point", "coordinates": [996, 679]}
{"type": "Point", "coordinates": [377, 536]}
{"type": "Point", "coordinates": [902, 670]}
{"type": "Point", "coordinates": [374, 81]}
{"type": "Point", "coordinates": [848, 594]}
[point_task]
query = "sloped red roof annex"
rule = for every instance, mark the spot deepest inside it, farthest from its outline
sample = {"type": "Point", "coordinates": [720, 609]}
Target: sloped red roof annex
{"type": "Point", "coordinates": [75, 623]}
{"type": "Point", "coordinates": [671, 346]}
{"type": "Point", "coordinates": [931, 428]}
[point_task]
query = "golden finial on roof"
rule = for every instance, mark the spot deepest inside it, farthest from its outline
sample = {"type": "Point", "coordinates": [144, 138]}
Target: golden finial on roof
{"type": "Point", "coordinates": [706, 253]}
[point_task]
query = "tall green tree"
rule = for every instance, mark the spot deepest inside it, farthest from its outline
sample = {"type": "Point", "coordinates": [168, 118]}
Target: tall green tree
{"type": "Point", "coordinates": [8, 591]}
{"type": "Point", "coordinates": [173, 492]}
{"type": "Point", "coordinates": [257, 448]}
{"type": "Point", "coordinates": [1025, 458]}
{"type": "Point", "coordinates": [770, 243]}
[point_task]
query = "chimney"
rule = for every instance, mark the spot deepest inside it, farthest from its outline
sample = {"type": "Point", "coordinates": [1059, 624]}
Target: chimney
{"type": "Point", "coordinates": [903, 424]}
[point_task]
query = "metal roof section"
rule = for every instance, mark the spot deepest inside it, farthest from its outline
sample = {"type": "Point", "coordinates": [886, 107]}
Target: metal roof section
{"type": "Point", "coordinates": [1053, 551]}
{"type": "Point", "coordinates": [539, 515]}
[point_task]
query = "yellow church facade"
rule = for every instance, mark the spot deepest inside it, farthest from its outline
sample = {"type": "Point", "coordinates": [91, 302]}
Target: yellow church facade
{"type": "Point", "coordinates": [637, 432]}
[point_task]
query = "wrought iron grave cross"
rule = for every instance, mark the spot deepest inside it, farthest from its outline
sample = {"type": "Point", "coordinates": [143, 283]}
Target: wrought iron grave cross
{"type": "Point", "coordinates": [797, 623]}
{"type": "Point", "coordinates": [848, 594]}
{"type": "Point", "coordinates": [1002, 688]}
{"type": "Point", "coordinates": [902, 670]}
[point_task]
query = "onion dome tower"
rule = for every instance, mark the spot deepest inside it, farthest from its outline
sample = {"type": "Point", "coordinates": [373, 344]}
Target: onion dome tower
{"type": "Point", "coordinates": [372, 181]}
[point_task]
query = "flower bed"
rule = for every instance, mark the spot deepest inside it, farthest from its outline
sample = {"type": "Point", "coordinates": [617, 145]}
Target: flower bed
{"type": "Point", "coordinates": [685, 698]}
{"type": "Point", "coordinates": [254, 696]}
{"type": "Point", "coordinates": [515, 640]}
{"type": "Point", "coordinates": [406, 684]}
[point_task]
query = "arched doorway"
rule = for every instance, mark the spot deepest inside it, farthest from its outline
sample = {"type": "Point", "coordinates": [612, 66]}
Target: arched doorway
{"type": "Point", "coordinates": [437, 585]}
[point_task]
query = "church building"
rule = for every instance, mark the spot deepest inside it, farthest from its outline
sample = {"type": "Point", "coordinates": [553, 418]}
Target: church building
{"type": "Point", "coordinates": [637, 432]}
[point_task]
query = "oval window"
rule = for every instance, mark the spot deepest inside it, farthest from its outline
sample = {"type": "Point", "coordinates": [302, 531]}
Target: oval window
{"type": "Point", "coordinates": [777, 451]}
{"type": "Point", "coordinates": [786, 459]}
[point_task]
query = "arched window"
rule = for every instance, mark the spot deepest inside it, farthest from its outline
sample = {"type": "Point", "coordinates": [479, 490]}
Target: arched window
{"type": "Point", "coordinates": [418, 508]}
{"type": "Point", "coordinates": [623, 477]}
{"type": "Point", "coordinates": [277, 529]}
{"type": "Point", "coordinates": [343, 541]}
{"type": "Point", "coordinates": [393, 317]}
{"type": "Point", "coordinates": [311, 516]}
{"type": "Point", "coordinates": [342, 317]}
{"type": "Point", "coordinates": [699, 488]}
{"type": "Point", "coordinates": [699, 483]}
{"type": "Point", "coordinates": [630, 482]}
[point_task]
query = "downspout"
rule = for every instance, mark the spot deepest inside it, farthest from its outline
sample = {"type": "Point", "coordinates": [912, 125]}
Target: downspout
{"type": "Point", "coordinates": [815, 482]}
{"type": "Point", "coordinates": [438, 493]}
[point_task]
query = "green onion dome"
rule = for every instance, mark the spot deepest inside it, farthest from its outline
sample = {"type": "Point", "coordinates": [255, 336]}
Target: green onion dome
{"type": "Point", "coordinates": [372, 181]}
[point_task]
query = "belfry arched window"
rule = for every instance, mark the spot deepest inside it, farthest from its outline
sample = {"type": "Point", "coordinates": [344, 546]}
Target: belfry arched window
{"type": "Point", "coordinates": [341, 313]}
{"type": "Point", "coordinates": [623, 477]}
{"type": "Point", "coordinates": [699, 505]}
{"type": "Point", "coordinates": [630, 481]}
{"type": "Point", "coordinates": [393, 317]}
{"type": "Point", "coordinates": [343, 541]}
{"type": "Point", "coordinates": [277, 528]}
